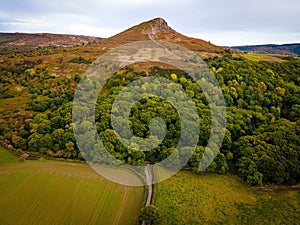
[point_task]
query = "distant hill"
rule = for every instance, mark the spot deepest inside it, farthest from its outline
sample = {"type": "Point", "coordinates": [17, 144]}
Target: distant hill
{"type": "Point", "coordinates": [23, 40]}
{"type": "Point", "coordinates": [285, 49]}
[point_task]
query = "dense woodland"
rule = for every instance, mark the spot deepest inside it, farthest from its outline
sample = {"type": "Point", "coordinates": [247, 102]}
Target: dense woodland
{"type": "Point", "coordinates": [261, 142]}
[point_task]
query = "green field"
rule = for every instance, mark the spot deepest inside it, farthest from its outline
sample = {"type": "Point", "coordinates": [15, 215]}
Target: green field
{"type": "Point", "coordinates": [46, 192]}
{"type": "Point", "coordinates": [263, 57]}
{"type": "Point", "coordinates": [187, 198]}
{"type": "Point", "coordinates": [7, 157]}
{"type": "Point", "coordinates": [63, 193]}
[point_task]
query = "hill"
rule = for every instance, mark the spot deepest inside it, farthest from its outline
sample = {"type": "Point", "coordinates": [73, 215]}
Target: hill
{"type": "Point", "coordinates": [158, 29]}
{"type": "Point", "coordinates": [285, 49]}
{"type": "Point", "coordinates": [44, 40]}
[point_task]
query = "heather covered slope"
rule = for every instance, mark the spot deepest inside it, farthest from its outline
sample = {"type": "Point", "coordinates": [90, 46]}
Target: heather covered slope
{"type": "Point", "coordinates": [44, 40]}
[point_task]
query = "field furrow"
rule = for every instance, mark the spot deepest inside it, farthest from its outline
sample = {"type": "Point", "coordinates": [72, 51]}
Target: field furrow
{"type": "Point", "coordinates": [122, 208]}
{"type": "Point", "coordinates": [46, 193]}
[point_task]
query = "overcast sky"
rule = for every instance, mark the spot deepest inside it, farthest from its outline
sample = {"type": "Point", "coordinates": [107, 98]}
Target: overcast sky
{"type": "Point", "coordinates": [223, 22]}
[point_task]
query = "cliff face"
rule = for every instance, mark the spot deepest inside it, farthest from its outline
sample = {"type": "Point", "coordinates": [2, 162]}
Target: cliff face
{"type": "Point", "coordinates": [160, 25]}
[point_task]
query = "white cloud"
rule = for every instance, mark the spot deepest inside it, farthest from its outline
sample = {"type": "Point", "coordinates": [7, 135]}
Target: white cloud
{"type": "Point", "coordinates": [85, 29]}
{"type": "Point", "coordinates": [222, 22]}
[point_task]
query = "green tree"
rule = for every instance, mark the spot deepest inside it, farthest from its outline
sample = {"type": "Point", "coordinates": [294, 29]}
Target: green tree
{"type": "Point", "coordinates": [150, 214]}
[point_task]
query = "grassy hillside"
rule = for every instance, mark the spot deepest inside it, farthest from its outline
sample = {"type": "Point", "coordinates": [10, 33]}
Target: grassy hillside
{"type": "Point", "coordinates": [263, 57]}
{"type": "Point", "coordinates": [187, 198]}
{"type": "Point", "coordinates": [64, 193]}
